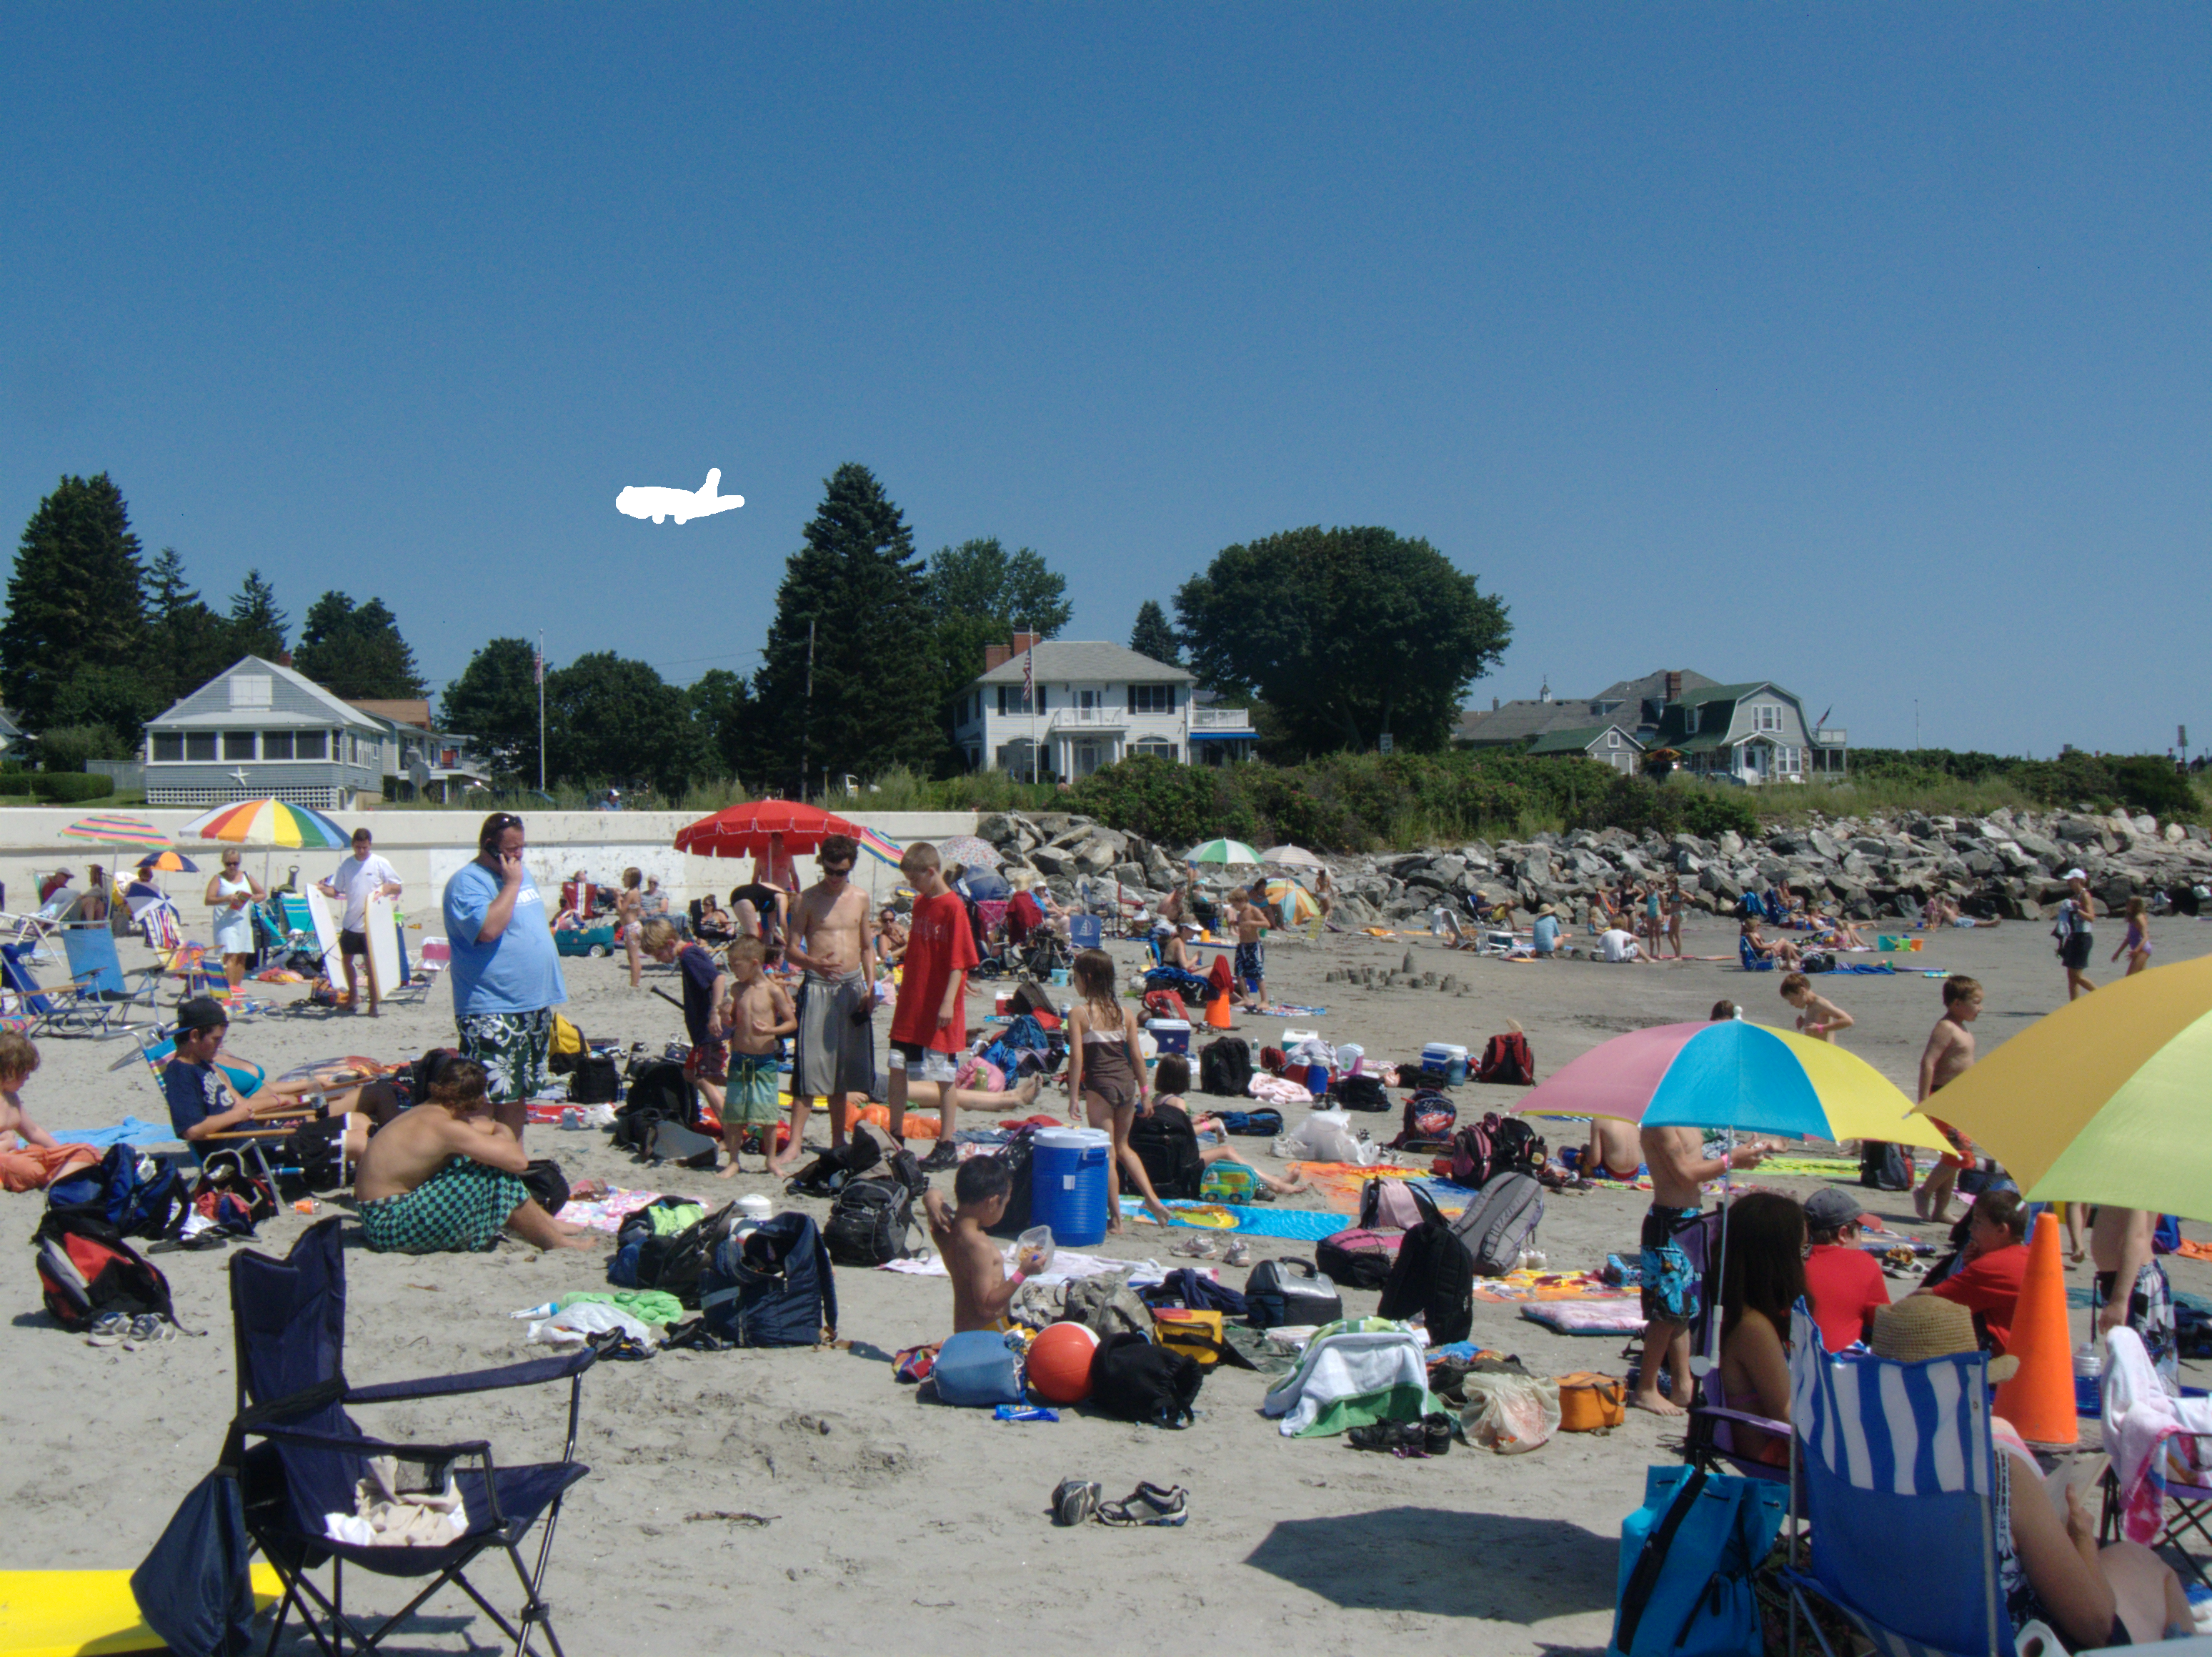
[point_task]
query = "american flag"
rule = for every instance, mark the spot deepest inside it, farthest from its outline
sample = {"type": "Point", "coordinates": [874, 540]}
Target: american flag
{"type": "Point", "coordinates": [1029, 677]}
{"type": "Point", "coordinates": [538, 666]}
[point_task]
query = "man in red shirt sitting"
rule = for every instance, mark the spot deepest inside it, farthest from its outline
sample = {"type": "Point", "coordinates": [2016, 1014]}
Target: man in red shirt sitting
{"type": "Point", "coordinates": [1986, 1281]}
{"type": "Point", "coordinates": [1842, 1281]}
{"type": "Point", "coordinates": [929, 1025]}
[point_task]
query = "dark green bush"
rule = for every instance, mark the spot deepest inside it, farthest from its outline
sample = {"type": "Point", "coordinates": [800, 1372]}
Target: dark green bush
{"type": "Point", "coordinates": [68, 787]}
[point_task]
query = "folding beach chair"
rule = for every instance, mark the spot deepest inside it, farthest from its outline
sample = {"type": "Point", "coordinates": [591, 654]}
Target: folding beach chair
{"type": "Point", "coordinates": [94, 962]}
{"type": "Point", "coordinates": [2133, 1392]}
{"type": "Point", "coordinates": [1085, 932]}
{"type": "Point", "coordinates": [78, 1009]}
{"type": "Point", "coordinates": [288, 1318]}
{"type": "Point", "coordinates": [1898, 1477]}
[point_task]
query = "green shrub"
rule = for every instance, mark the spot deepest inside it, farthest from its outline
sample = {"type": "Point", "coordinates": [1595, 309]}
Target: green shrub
{"type": "Point", "coordinates": [2145, 782]}
{"type": "Point", "coordinates": [67, 747]}
{"type": "Point", "coordinates": [67, 787]}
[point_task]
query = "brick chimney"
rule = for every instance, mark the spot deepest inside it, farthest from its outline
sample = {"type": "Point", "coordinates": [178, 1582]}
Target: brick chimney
{"type": "Point", "coordinates": [1673, 686]}
{"type": "Point", "coordinates": [996, 656]}
{"type": "Point", "coordinates": [1024, 641]}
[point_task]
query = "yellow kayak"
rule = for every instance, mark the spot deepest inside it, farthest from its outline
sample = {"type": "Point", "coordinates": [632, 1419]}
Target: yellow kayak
{"type": "Point", "coordinates": [84, 1613]}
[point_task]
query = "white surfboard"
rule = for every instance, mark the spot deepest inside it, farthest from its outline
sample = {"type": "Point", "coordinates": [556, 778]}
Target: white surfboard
{"type": "Point", "coordinates": [382, 925]}
{"type": "Point", "coordinates": [326, 936]}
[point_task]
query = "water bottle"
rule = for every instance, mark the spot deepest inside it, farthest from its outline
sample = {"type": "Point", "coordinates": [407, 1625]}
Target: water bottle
{"type": "Point", "coordinates": [2088, 1379]}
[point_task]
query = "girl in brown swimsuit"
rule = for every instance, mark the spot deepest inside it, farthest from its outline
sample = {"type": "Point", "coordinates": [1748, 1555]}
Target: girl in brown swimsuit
{"type": "Point", "coordinates": [1106, 1071]}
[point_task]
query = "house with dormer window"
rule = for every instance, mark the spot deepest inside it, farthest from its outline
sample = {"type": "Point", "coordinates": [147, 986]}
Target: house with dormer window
{"type": "Point", "coordinates": [1064, 708]}
{"type": "Point", "coordinates": [1750, 733]}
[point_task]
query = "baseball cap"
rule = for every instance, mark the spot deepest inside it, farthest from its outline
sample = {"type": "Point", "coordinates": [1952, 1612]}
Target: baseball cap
{"type": "Point", "coordinates": [201, 1013]}
{"type": "Point", "coordinates": [1830, 1209]}
{"type": "Point", "coordinates": [2073, 874]}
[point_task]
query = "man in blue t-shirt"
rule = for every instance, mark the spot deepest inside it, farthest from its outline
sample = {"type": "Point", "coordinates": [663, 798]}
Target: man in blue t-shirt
{"type": "Point", "coordinates": [505, 969]}
{"type": "Point", "coordinates": [201, 1101]}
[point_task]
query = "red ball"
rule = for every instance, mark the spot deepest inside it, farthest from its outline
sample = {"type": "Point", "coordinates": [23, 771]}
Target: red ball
{"type": "Point", "coordinates": [1059, 1364]}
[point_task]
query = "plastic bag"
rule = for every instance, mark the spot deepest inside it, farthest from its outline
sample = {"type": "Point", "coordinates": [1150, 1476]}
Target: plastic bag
{"type": "Point", "coordinates": [1326, 1136]}
{"type": "Point", "coordinates": [1510, 1414]}
{"type": "Point", "coordinates": [572, 1324]}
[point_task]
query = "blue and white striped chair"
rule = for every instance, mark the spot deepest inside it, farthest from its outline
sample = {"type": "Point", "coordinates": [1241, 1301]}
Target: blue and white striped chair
{"type": "Point", "coordinates": [1899, 1478]}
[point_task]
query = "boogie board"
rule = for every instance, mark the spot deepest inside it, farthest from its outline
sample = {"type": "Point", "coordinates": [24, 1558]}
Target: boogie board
{"type": "Point", "coordinates": [380, 921]}
{"type": "Point", "coordinates": [81, 1613]}
{"type": "Point", "coordinates": [326, 937]}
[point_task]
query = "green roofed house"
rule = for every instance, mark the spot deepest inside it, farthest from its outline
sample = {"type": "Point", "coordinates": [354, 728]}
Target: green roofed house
{"type": "Point", "coordinates": [1608, 744]}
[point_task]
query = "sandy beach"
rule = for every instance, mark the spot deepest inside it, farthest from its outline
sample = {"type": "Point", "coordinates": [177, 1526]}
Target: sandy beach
{"type": "Point", "coordinates": [888, 1519]}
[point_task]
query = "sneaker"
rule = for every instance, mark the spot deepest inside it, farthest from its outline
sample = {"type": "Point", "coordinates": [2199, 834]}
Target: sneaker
{"type": "Point", "coordinates": [1437, 1432]}
{"type": "Point", "coordinates": [946, 1156]}
{"type": "Point", "coordinates": [1075, 1500]}
{"type": "Point", "coordinates": [1239, 1253]}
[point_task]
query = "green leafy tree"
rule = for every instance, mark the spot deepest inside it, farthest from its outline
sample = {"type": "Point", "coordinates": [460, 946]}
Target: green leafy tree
{"type": "Point", "coordinates": [187, 643]}
{"type": "Point", "coordinates": [77, 599]}
{"type": "Point", "coordinates": [495, 702]}
{"type": "Point", "coordinates": [1347, 634]}
{"type": "Point", "coordinates": [117, 697]}
{"type": "Point", "coordinates": [609, 719]}
{"type": "Point", "coordinates": [1153, 636]}
{"type": "Point", "coordinates": [258, 627]}
{"type": "Point", "coordinates": [857, 587]}
{"type": "Point", "coordinates": [721, 703]}
{"type": "Point", "coordinates": [355, 652]}
{"type": "Point", "coordinates": [981, 578]}
{"type": "Point", "coordinates": [67, 747]}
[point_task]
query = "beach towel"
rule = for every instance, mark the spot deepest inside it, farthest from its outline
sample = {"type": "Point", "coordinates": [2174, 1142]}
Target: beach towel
{"type": "Point", "coordinates": [1531, 1287]}
{"type": "Point", "coordinates": [1298, 1225]}
{"type": "Point", "coordinates": [2140, 1425]}
{"type": "Point", "coordinates": [606, 1213]}
{"type": "Point", "coordinates": [1878, 969]}
{"type": "Point", "coordinates": [131, 1131]}
{"type": "Point", "coordinates": [1067, 1266]}
{"type": "Point", "coordinates": [1362, 1370]}
{"type": "Point", "coordinates": [1609, 1317]}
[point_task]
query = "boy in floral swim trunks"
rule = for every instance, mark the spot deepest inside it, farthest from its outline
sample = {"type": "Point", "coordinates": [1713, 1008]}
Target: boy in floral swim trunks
{"type": "Point", "coordinates": [1674, 1282]}
{"type": "Point", "coordinates": [759, 1014]}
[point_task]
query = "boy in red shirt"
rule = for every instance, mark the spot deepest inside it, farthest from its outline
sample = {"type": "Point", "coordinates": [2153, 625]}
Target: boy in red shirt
{"type": "Point", "coordinates": [929, 1025]}
{"type": "Point", "coordinates": [1842, 1281]}
{"type": "Point", "coordinates": [1987, 1278]}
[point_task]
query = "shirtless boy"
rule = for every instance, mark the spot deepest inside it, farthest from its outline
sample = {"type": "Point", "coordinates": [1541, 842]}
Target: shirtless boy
{"type": "Point", "coordinates": [1614, 1153]}
{"type": "Point", "coordinates": [1948, 1055]}
{"type": "Point", "coordinates": [2120, 1243]}
{"type": "Point", "coordinates": [1250, 920]}
{"type": "Point", "coordinates": [444, 1178]}
{"type": "Point", "coordinates": [1673, 1284]}
{"type": "Point", "coordinates": [757, 1016]}
{"type": "Point", "coordinates": [829, 941]}
{"type": "Point", "coordinates": [40, 1160]}
{"type": "Point", "coordinates": [981, 1291]}
{"type": "Point", "coordinates": [1817, 1016]}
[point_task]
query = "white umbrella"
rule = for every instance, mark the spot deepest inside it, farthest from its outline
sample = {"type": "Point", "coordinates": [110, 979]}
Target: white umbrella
{"type": "Point", "coordinates": [1292, 857]}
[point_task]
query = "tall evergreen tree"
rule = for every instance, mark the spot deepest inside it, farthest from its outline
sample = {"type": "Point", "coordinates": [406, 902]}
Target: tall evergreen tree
{"type": "Point", "coordinates": [355, 652]}
{"type": "Point", "coordinates": [76, 597]}
{"type": "Point", "coordinates": [257, 625]}
{"type": "Point", "coordinates": [609, 719]}
{"type": "Point", "coordinates": [188, 644]}
{"type": "Point", "coordinates": [1153, 636]}
{"type": "Point", "coordinates": [857, 585]}
{"type": "Point", "coordinates": [720, 701]}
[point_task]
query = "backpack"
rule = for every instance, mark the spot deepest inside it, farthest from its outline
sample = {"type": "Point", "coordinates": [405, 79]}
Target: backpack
{"type": "Point", "coordinates": [85, 1268]}
{"type": "Point", "coordinates": [1165, 1004]}
{"type": "Point", "coordinates": [1016, 1154]}
{"type": "Point", "coordinates": [671, 1142]}
{"type": "Point", "coordinates": [771, 1286]}
{"type": "Point", "coordinates": [674, 1261]}
{"type": "Point", "coordinates": [1264, 1123]}
{"type": "Point", "coordinates": [1500, 1222]}
{"type": "Point", "coordinates": [1225, 1067]}
{"type": "Point", "coordinates": [1688, 1560]}
{"type": "Point", "coordinates": [1427, 1124]}
{"type": "Point", "coordinates": [1433, 1277]}
{"type": "Point", "coordinates": [426, 1068]}
{"type": "Point", "coordinates": [661, 1088]}
{"type": "Point", "coordinates": [868, 1223]}
{"type": "Point", "coordinates": [1497, 1144]}
{"type": "Point", "coordinates": [1387, 1206]}
{"type": "Point", "coordinates": [642, 1250]}
{"type": "Point", "coordinates": [595, 1080]}
{"type": "Point", "coordinates": [1274, 1297]}
{"type": "Point", "coordinates": [1358, 1257]}
{"type": "Point", "coordinates": [1884, 1166]}
{"type": "Point", "coordinates": [1030, 998]}
{"type": "Point", "coordinates": [1167, 1146]}
{"type": "Point", "coordinates": [567, 1050]}
{"type": "Point", "coordinates": [1471, 1148]}
{"type": "Point", "coordinates": [1361, 1092]}
{"type": "Point", "coordinates": [1133, 1379]}
{"type": "Point", "coordinates": [132, 1198]}
{"type": "Point", "coordinates": [230, 1195]}
{"type": "Point", "coordinates": [1506, 1058]}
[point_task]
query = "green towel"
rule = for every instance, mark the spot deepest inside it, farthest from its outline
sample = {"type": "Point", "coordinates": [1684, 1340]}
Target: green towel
{"type": "Point", "coordinates": [655, 1306]}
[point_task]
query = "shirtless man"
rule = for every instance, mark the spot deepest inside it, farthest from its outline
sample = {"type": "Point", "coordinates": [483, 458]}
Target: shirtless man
{"type": "Point", "coordinates": [1250, 920]}
{"type": "Point", "coordinates": [2120, 1243]}
{"type": "Point", "coordinates": [1817, 1016]}
{"type": "Point", "coordinates": [1673, 1284]}
{"type": "Point", "coordinates": [829, 941]}
{"type": "Point", "coordinates": [1614, 1152]}
{"type": "Point", "coordinates": [1948, 1055]}
{"type": "Point", "coordinates": [444, 1178]}
{"type": "Point", "coordinates": [981, 1291]}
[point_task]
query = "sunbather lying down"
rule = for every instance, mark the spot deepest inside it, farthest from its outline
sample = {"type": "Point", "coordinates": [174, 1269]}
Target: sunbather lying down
{"type": "Point", "coordinates": [444, 1178]}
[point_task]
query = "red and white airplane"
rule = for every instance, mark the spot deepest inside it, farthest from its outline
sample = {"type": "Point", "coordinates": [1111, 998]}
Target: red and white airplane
{"type": "Point", "coordinates": [642, 500]}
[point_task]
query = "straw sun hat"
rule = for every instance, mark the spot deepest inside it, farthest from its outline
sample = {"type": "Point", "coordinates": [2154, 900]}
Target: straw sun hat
{"type": "Point", "coordinates": [1923, 1326]}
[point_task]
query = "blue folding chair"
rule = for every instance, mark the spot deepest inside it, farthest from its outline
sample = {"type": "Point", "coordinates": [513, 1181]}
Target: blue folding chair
{"type": "Point", "coordinates": [288, 1318]}
{"type": "Point", "coordinates": [1085, 932]}
{"type": "Point", "coordinates": [1900, 1480]}
{"type": "Point", "coordinates": [78, 1009]}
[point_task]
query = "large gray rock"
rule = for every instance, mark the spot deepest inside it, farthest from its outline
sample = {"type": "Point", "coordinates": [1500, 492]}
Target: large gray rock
{"type": "Point", "coordinates": [1051, 859]}
{"type": "Point", "coordinates": [998, 828]}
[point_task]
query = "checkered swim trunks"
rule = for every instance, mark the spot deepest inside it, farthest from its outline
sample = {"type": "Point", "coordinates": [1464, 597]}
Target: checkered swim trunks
{"type": "Point", "coordinates": [457, 1211]}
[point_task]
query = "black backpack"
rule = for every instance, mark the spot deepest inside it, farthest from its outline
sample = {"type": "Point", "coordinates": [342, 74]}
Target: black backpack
{"type": "Point", "coordinates": [674, 1261]}
{"type": "Point", "coordinates": [1358, 1257]}
{"type": "Point", "coordinates": [1132, 1379]}
{"type": "Point", "coordinates": [1016, 1154]}
{"type": "Point", "coordinates": [1167, 1146]}
{"type": "Point", "coordinates": [595, 1081]}
{"type": "Point", "coordinates": [1225, 1067]}
{"type": "Point", "coordinates": [869, 1222]}
{"type": "Point", "coordinates": [1361, 1092]}
{"type": "Point", "coordinates": [1500, 1222]}
{"type": "Point", "coordinates": [662, 1088]}
{"type": "Point", "coordinates": [1515, 1148]}
{"type": "Point", "coordinates": [1433, 1277]}
{"type": "Point", "coordinates": [85, 1268]}
{"type": "Point", "coordinates": [1884, 1166]}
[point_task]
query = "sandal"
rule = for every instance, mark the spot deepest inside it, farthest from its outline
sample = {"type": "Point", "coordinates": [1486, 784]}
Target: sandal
{"type": "Point", "coordinates": [108, 1329]}
{"type": "Point", "coordinates": [1074, 1500]}
{"type": "Point", "coordinates": [1148, 1504]}
{"type": "Point", "coordinates": [1437, 1431]}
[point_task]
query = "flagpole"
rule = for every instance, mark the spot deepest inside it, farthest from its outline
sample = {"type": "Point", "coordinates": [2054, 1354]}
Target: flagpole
{"type": "Point", "coordinates": [541, 711]}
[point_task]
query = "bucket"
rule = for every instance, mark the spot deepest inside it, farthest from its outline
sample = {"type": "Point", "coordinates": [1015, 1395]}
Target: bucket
{"type": "Point", "coordinates": [1071, 1184]}
{"type": "Point", "coordinates": [1172, 1033]}
{"type": "Point", "coordinates": [1441, 1061]}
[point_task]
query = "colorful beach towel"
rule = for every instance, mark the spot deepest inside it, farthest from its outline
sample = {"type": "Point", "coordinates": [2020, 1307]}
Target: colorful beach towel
{"type": "Point", "coordinates": [1535, 1286]}
{"type": "Point", "coordinates": [1297, 1224]}
{"type": "Point", "coordinates": [1614, 1317]}
{"type": "Point", "coordinates": [608, 1213]}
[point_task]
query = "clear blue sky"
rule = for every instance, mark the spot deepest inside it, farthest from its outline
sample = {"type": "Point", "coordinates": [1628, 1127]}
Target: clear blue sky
{"type": "Point", "coordinates": [1863, 347]}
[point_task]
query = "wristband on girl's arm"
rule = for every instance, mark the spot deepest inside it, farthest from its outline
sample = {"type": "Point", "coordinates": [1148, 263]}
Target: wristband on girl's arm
{"type": "Point", "coordinates": [1017, 1280]}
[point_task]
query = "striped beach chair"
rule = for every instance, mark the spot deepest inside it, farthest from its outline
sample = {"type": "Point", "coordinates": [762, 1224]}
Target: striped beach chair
{"type": "Point", "coordinates": [1899, 1478]}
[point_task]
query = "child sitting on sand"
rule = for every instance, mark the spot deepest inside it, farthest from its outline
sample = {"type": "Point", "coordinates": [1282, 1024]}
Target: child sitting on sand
{"type": "Point", "coordinates": [444, 1178]}
{"type": "Point", "coordinates": [981, 1291]}
{"type": "Point", "coordinates": [758, 1014]}
{"type": "Point", "coordinates": [1169, 1078]}
{"type": "Point", "coordinates": [1817, 1016]}
{"type": "Point", "coordinates": [39, 1160]}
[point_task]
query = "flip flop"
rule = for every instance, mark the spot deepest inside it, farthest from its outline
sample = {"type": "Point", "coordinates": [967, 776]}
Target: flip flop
{"type": "Point", "coordinates": [1148, 1504]}
{"type": "Point", "coordinates": [1074, 1500]}
{"type": "Point", "coordinates": [108, 1329]}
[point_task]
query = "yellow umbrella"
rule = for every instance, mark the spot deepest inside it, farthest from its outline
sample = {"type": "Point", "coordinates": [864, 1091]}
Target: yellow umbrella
{"type": "Point", "coordinates": [1292, 901]}
{"type": "Point", "coordinates": [2106, 1100]}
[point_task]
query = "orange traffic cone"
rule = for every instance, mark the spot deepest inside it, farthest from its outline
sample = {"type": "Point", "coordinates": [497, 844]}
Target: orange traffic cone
{"type": "Point", "coordinates": [2039, 1401]}
{"type": "Point", "coordinates": [1217, 1012]}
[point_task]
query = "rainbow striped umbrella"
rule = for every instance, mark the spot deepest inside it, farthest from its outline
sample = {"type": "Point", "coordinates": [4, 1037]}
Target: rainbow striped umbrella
{"type": "Point", "coordinates": [112, 830]}
{"type": "Point", "coordinates": [876, 846]}
{"type": "Point", "coordinates": [268, 823]}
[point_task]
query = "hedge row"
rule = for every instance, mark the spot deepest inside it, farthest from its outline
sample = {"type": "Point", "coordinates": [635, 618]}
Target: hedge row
{"type": "Point", "coordinates": [62, 788]}
{"type": "Point", "coordinates": [2141, 782]}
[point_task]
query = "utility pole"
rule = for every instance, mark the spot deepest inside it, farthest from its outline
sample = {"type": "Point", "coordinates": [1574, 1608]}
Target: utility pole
{"type": "Point", "coordinates": [806, 723]}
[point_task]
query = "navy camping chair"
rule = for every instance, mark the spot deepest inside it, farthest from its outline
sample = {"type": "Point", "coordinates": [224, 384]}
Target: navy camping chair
{"type": "Point", "coordinates": [1752, 961]}
{"type": "Point", "coordinates": [79, 1010]}
{"type": "Point", "coordinates": [288, 1318]}
{"type": "Point", "coordinates": [1085, 931]}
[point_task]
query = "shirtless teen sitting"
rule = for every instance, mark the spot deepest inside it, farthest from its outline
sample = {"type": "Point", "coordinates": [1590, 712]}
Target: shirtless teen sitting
{"type": "Point", "coordinates": [444, 1178]}
{"type": "Point", "coordinates": [981, 1291]}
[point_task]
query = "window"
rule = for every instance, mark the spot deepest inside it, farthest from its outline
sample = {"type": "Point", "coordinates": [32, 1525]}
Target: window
{"type": "Point", "coordinates": [168, 746]}
{"type": "Point", "coordinates": [1766, 717]}
{"type": "Point", "coordinates": [275, 745]}
{"type": "Point", "coordinates": [1010, 699]}
{"type": "Point", "coordinates": [1613, 740]}
{"type": "Point", "coordinates": [199, 744]}
{"type": "Point", "coordinates": [1792, 760]}
{"type": "Point", "coordinates": [1689, 721]}
{"type": "Point", "coordinates": [1152, 699]}
{"type": "Point", "coordinates": [1159, 748]}
{"type": "Point", "coordinates": [252, 690]}
{"type": "Point", "coordinates": [238, 744]}
{"type": "Point", "coordinates": [308, 744]}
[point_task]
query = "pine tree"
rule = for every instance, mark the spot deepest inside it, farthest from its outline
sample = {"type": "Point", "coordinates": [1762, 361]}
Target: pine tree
{"type": "Point", "coordinates": [875, 689]}
{"type": "Point", "coordinates": [258, 626]}
{"type": "Point", "coordinates": [76, 597]}
{"type": "Point", "coordinates": [1153, 636]}
{"type": "Point", "coordinates": [187, 643]}
{"type": "Point", "coordinates": [356, 652]}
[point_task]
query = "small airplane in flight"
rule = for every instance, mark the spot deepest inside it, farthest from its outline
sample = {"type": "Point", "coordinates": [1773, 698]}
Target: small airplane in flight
{"type": "Point", "coordinates": [651, 501]}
